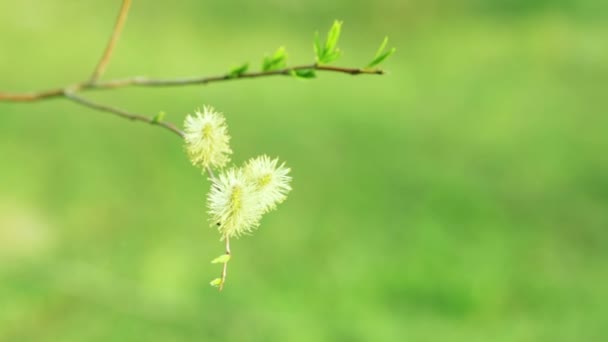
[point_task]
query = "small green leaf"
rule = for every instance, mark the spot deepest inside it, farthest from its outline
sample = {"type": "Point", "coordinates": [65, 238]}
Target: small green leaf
{"type": "Point", "coordinates": [382, 47]}
{"type": "Point", "coordinates": [381, 58]}
{"type": "Point", "coordinates": [304, 73]}
{"type": "Point", "coordinates": [216, 282]}
{"type": "Point", "coordinates": [318, 49]}
{"type": "Point", "coordinates": [222, 259]}
{"type": "Point", "coordinates": [276, 61]}
{"type": "Point", "coordinates": [239, 70]}
{"type": "Point", "coordinates": [333, 35]}
{"type": "Point", "coordinates": [158, 117]}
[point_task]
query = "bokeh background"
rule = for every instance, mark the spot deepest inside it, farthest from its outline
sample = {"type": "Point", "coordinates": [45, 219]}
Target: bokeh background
{"type": "Point", "coordinates": [462, 197]}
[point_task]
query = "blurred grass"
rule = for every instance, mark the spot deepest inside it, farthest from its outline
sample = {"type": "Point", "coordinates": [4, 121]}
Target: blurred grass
{"type": "Point", "coordinates": [462, 197]}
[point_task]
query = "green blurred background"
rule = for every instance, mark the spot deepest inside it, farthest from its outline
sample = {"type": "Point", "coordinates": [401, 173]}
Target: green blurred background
{"type": "Point", "coordinates": [462, 197]}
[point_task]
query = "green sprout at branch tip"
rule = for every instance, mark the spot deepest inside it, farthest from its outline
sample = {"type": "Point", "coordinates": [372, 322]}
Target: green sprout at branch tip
{"type": "Point", "coordinates": [381, 55]}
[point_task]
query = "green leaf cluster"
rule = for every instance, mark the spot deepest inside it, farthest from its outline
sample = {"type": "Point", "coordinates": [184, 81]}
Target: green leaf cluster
{"type": "Point", "coordinates": [277, 61]}
{"type": "Point", "coordinates": [238, 70]}
{"type": "Point", "coordinates": [381, 55]}
{"type": "Point", "coordinates": [328, 52]}
{"type": "Point", "coordinates": [325, 53]}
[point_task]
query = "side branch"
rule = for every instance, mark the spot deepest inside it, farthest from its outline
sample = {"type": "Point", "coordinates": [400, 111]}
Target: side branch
{"type": "Point", "coordinates": [105, 59]}
{"type": "Point", "coordinates": [122, 113]}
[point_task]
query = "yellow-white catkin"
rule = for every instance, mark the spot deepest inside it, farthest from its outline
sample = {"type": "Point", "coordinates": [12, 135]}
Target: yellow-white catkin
{"type": "Point", "coordinates": [233, 205]}
{"type": "Point", "coordinates": [207, 139]}
{"type": "Point", "coordinates": [270, 180]}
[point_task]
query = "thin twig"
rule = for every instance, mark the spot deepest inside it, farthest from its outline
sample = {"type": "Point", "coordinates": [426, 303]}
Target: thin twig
{"type": "Point", "coordinates": [210, 173]}
{"type": "Point", "coordinates": [150, 82]}
{"type": "Point", "coordinates": [30, 97]}
{"type": "Point", "coordinates": [105, 59]}
{"type": "Point", "coordinates": [172, 82]}
{"type": "Point", "coordinates": [225, 268]}
{"type": "Point", "coordinates": [122, 113]}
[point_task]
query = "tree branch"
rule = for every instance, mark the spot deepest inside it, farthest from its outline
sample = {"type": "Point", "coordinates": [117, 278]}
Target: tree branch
{"type": "Point", "coordinates": [30, 97]}
{"type": "Point", "coordinates": [105, 59]}
{"type": "Point", "coordinates": [70, 91]}
{"type": "Point", "coordinates": [140, 81]}
{"type": "Point", "coordinates": [122, 113]}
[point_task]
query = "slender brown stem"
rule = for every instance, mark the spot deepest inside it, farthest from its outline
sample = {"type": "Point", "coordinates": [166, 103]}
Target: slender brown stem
{"type": "Point", "coordinates": [122, 113]}
{"type": "Point", "coordinates": [352, 71]}
{"type": "Point", "coordinates": [30, 97]}
{"type": "Point", "coordinates": [172, 82]}
{"type": "Point", "coordinates": [150, 82]}
{"type": "Point", "coordinates": [105, 59]}
{"type": "Point", "coordinates": [225, 268]}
